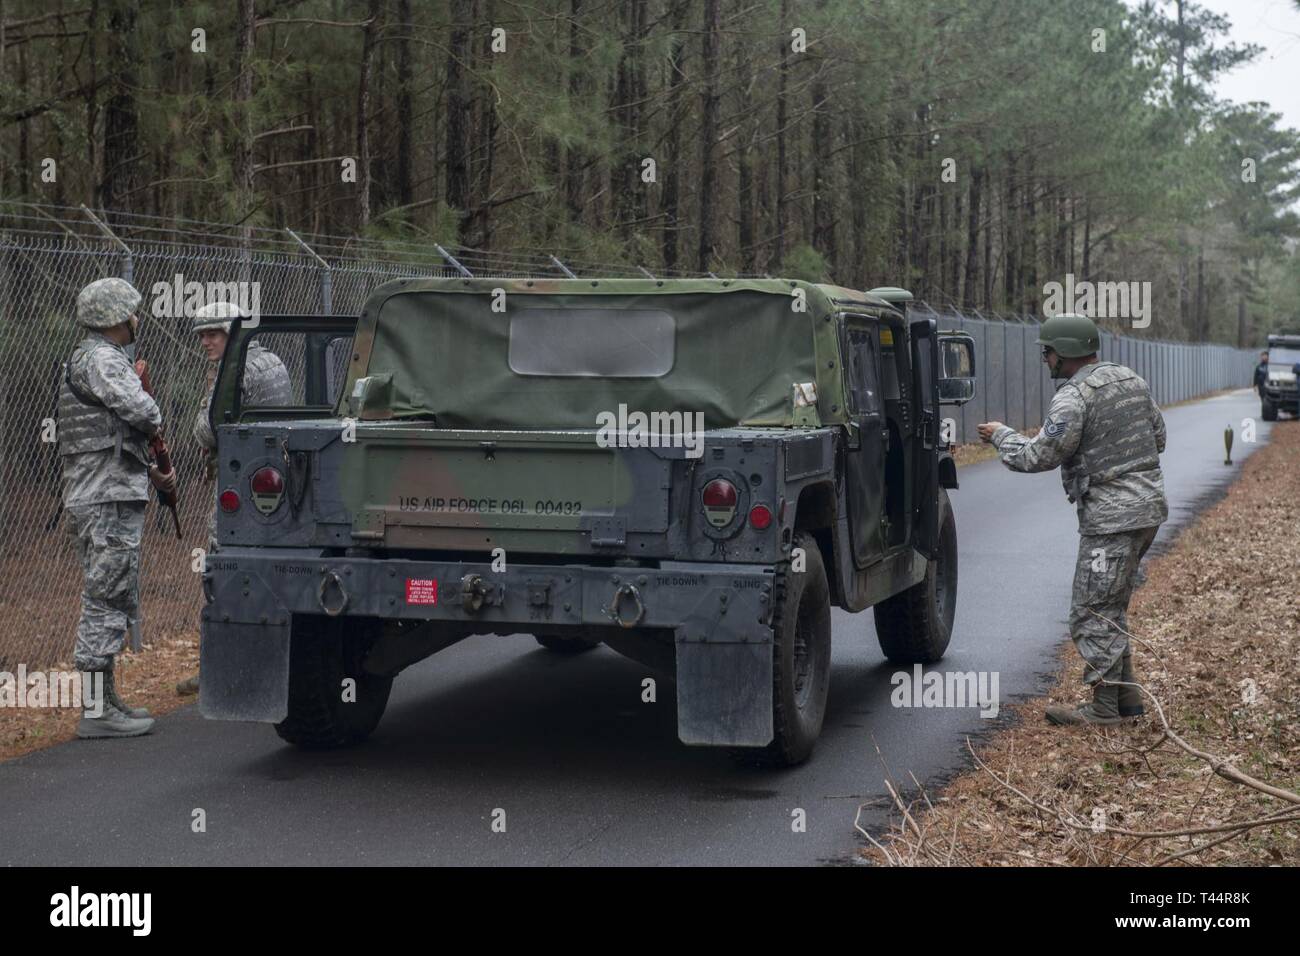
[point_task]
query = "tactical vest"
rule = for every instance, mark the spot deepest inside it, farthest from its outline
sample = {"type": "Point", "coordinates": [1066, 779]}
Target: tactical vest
{"type": "Point", "coordinates": [85, 423]}
{"type": "Point", "coordinates": [1117, 434]}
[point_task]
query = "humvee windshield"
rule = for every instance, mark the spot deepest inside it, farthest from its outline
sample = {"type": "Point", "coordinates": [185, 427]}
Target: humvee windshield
{"type": "Point", "coordinates": [1283, 356]}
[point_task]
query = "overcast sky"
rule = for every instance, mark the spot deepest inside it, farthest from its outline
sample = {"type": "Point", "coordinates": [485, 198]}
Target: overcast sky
{"type": "Point", "coordinates": [1274, 76]}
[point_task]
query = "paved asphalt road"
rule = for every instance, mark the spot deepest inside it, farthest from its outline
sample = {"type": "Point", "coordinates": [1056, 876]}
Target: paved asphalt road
{"type": "Point", "coordinates": [586, 773]}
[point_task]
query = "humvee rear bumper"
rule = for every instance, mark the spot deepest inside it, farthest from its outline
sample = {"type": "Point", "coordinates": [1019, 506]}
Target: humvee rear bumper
{"type": "Point", "coordinates": [720, 616]}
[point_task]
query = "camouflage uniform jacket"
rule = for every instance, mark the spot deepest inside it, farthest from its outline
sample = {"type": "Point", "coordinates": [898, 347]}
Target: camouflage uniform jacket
{"type": "Point", "coordinates": [105, 422]}
{"type": "Point", "coordinates": [1106, 433]}
{"type": "Point", "coordinates": [266, 382]}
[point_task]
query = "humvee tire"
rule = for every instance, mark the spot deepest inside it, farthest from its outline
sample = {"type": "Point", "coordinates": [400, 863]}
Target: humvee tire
{"type": "Point", "coordinates": [915, 626]}
{"type": "Point", "coordinates": [801, 661]}
{"type": "Point", "coordinates": [1269, 411]}
{"type": "Point", "coordinates": [564, 645]}
{"type": "Point", "coordinates": [322, 653]}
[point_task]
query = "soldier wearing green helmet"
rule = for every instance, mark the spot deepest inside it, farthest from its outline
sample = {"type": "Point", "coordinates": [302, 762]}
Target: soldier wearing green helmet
{"type": "Point", "coordinates": [105, 421]}
{"type": "Point", "coordinates": [1106, 433]}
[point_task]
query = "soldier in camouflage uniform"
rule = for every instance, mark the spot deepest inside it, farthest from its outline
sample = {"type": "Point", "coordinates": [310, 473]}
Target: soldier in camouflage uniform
{"type": "Point", "coordinates": [266, 382]}
{"type": "Point", "coordinates": [105, 421]}
{"type": "Point", "coordinates": [1106, 433]}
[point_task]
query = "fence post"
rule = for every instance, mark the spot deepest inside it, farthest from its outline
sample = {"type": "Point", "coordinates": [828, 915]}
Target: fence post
{"type": "Point", "coordinates": [326, 278]}
{"type": "Point", "coordinates": [568, 273]}
{"type": "Point", "coordinates": [454, 262]}
{"type": "Point", "coordinates": [128, 263]}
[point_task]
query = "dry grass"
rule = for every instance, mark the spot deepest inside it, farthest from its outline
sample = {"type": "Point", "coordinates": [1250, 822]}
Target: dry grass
{"type": "Point", "coordinates": [147, 679]}
{"type": "Point", "coordinates": [1220, 615]}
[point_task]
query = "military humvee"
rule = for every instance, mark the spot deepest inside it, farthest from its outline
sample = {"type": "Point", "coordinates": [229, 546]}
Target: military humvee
{"type": "Point", "coordinates": [693, 472]}
{"type": "Point", "coordinates": [1280, 391]}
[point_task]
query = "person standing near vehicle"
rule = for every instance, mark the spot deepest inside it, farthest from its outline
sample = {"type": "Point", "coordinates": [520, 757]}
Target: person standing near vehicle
{"type": "Point", "coordinates": [105, 421]}
{"type": "Point", "coordinates": [1106, 434]}
{"type": "Point", "coordinates": [266, 382]}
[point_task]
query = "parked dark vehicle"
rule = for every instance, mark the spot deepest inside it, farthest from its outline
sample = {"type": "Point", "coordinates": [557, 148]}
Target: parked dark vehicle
{"type": "Point", "coordinates": [1279, 391]}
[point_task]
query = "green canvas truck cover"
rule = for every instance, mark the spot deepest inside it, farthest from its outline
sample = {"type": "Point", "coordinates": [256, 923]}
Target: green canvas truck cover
{"type": "Point", "coordinates": [553, 351]}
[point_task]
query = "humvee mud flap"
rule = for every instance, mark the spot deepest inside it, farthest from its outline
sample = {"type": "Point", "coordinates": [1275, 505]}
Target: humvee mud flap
{"type": "Point", "coordinates": [244, 656]}
{"type": "Point", "coordinates": [724, 691]}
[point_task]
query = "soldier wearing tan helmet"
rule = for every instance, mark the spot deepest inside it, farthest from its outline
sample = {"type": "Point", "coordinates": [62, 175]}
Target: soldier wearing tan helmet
{"type": "Point", "coordinates": [105, 421]}
{"type": "Point", "coordinates": [265, 382]}
{"type": "Point", "coordinates": [1106, 434]}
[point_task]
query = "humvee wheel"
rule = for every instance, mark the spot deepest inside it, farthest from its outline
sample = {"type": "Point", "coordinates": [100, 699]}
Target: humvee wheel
{"type": "Point", "coordinates": [801, 661]}
{"type": "Point", "coordinates": [564, 645]}
{"type": "Point", "coordinates": [1269, 411]}
{"type": "Point", "coordinates": [323, 652]}
{"type": "Point", "coordinates": [915, 626]}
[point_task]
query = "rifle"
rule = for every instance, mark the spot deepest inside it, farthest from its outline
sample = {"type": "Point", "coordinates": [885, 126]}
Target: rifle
{"type": "Point", "coordinates": [158, 445]}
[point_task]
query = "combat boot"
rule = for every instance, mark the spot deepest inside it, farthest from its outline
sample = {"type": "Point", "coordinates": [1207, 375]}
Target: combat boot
{"type": "Point", "coordinates": [1103, 709]}
{"type": "Point", "coordinates": [110, 693]}
{"type": "Point", "coordinates": [111, 722]}
{"type": "Point", "coordinates": [1130, 698]}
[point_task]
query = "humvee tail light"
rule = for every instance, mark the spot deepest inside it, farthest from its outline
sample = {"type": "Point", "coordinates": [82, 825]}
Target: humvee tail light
{"type": "Point", "coordinates": [229, 501]}
{"type": "Point", "coordinates": [760, 517]}
{"type": "Point", "coordinates": [719, 497]}
{"type": "Point", "coordinates": [268, 489]}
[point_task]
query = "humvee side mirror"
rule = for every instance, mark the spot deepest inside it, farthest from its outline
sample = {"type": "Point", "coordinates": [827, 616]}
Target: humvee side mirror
{"type": "Point", "coordinates": [956, 368]}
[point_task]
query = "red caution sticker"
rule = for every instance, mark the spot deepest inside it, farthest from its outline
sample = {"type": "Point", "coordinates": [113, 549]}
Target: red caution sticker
{"type": "Point", "coordinates": [421, 590]}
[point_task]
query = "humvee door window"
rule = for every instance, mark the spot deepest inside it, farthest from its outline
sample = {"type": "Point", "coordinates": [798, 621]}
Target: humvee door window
{"type": "Point", "coordinates": [316, 363]}
{"type": "Point", "coordinates": [592, 343]}
{"type": "Point", "coordinates": [864, 372]}
{"type": "Point", "coordinates": [290, 349]}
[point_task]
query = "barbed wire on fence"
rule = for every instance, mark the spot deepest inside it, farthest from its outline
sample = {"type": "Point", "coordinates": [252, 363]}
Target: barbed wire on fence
{"type": "Point", "coordinates": [48, 253]}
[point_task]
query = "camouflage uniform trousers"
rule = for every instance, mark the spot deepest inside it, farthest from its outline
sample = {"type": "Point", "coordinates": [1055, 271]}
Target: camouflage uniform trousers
{"type": "Point", "coordinates": [107, 539]}
{"type": "Point", "coordinates": [1104, 587]}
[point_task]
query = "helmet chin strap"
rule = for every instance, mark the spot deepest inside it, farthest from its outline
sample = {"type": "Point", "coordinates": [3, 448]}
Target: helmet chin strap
{"type": "Point", "coordinates": [1055, 369]}
{"type": "Point", "coordinates": [130, 346]}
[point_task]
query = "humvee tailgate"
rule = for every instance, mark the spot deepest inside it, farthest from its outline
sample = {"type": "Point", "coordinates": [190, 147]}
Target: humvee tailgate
{"type": "Point", "coordinates": [408, 487]}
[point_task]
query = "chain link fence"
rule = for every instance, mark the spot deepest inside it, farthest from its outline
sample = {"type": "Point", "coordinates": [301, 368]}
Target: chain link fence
{"type": "Point", "coordinates": [47, 254]}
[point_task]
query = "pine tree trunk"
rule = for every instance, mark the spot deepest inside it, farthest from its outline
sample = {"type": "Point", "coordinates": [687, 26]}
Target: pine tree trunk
{"type": "Point", "coordinates": [458, 113]}
{"type": "Point", "coordinates": [674, 159]}
{"type": "Point", "coordinates": [823, 178]}
{"type": "Point", "coordinates": [1011, 239]}
{"type": "Point", "coordinates": [782, 119]}
{"type": "Point", "coordinates": [121, 115]}
{"type": "Point", "coordinates": [405, 107]}
{"type": "Point", "coordinates": [973, 235]}
{"type": "Point", "coordinates": [574, 174]}
{"type": "Point", "coordinates": [712, 40]}
{"type": "Point", "coordinates": [748, 133]}
{"type": "Point", "coordinates": [1029, 286]}
{"type": "Point", "coordinates": [483, 156]}
{"type": "Point", "coordinates": [363, 116]}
